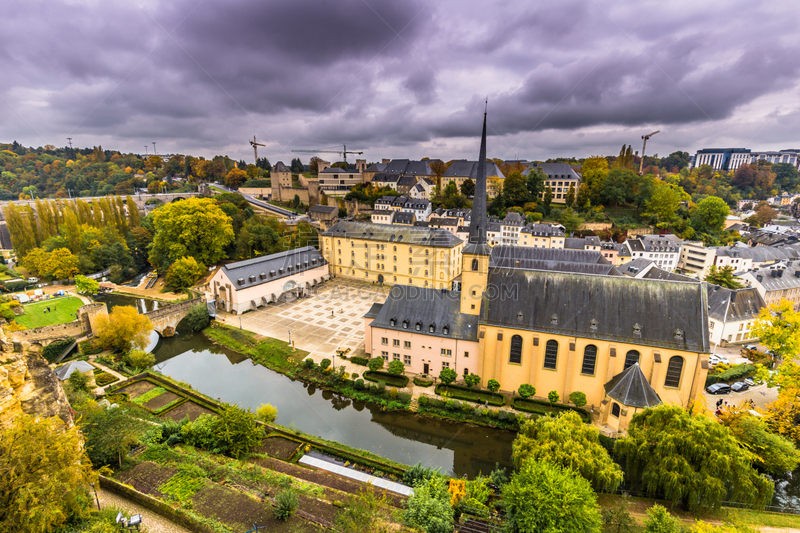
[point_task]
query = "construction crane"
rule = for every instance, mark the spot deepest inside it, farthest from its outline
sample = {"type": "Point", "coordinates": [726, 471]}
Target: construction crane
{"type": "Point", "coordinates": [644, 144]}
{"type": "Point", "coordinates": [255, 145]}
{"type": "Point", "coordinates": [344, 151]}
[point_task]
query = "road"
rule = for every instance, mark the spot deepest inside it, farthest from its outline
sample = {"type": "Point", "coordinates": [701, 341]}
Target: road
{"type": "Point", "coordinates": [260, 203]}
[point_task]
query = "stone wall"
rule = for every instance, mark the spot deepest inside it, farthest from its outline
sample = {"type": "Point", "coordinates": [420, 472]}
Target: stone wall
{"type": "Point", "coordinates": [308, 195]}
{"type": "Point", "coordinates": [84, 325]}
{"type": "Point", "coordinates": [259, 192]}
{"type": "Point", "coordinates": [640, 231]}
{"type": "Point", "coordinates": [596, 226]}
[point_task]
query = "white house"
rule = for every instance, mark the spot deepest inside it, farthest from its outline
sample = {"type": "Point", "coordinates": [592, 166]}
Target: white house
{"type": "Point", "coordinates": [732, 313]}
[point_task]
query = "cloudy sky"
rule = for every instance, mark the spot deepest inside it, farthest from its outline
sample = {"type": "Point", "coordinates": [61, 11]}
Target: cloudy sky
{"type": "Point", "coordinates": [401, 78]}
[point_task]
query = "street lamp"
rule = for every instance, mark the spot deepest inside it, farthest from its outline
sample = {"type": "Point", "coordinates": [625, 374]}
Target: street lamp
{"type": "Point", "coordinates": [644, 144]}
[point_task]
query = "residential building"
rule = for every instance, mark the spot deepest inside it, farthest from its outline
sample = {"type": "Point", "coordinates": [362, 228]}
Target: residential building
{"type": "Point", "coordinates": [253, 283]}
{"type": "Point", "coordinates": [383, 179]}
{"type": "Point", "coordinates": [326, 215]}
{"type": "Point", "coordinates": [664, 250]}
{"type": "Point", "coordinates": [541, 236]}
{"type": "Point", "coordinates": [609, 250]}
{"type": "Point", "coordinates": [422, 190]}
{"type": "Point", "coordinates": [448, 224]}
{"type": "Point", "coordinates": [404, 184]}
{"type": "Point", "coordinates": [420, 207]}
{"type": "Point", "coordinates": [510, 228]}
{"type": "Point", "coordinates": [383, 216]}
{"type": "Point", "coordinates": [721, 158]}
{"type": "Point", "coordinates": [409, 255]}
{"type": "Point", "coordinates": [552, 259]}
{"type": "Point", "coordinates": [732, 314]}
{"type": "Point", "coordinates": [765, 237]}
{"type": "Point", "coordinates": [775, 283]}
{"type": "Point", "coordinates": [696, 258]}
{"type": "Point", "coordinates": [560, 177]}
{"type": "Point", "coordinates": [404, 218]}
{"type": "Point", "coordinates": [461, 170]}
{"type": "Point", "coordinates": [337, 182]}
{"type": "Point", "coordinates": [373, 169]}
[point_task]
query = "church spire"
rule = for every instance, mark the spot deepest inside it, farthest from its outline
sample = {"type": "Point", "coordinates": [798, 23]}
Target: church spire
{"type": "Point", "coordinates": [477, 226]}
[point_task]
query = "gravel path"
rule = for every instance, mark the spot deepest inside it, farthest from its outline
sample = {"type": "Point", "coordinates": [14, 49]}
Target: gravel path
{"type": "Point", "coordinates": [152, 522]}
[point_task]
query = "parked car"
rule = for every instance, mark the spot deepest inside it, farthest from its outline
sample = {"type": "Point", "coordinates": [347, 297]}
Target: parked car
{"type": "Point", "coordinates": [750, 382]}
{"type": "Point", "coordinates": [751, 347]}
{"type": "Point", "coordinates": [718, 388]}
{"type": "Point", "coordinates": [33, 280]}
{"type": "Point", "coordinates": [740, 386]}
{"type": "Point", "coordinates": [717, 359]}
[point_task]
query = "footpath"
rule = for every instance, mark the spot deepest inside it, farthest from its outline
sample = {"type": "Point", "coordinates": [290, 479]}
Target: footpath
{"type": "Point", "coordinates": [153, 522]}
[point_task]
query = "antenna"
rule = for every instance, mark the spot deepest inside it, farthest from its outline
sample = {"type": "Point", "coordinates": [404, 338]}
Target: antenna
{"type": "Point", "coordinates": [70, 142]}
{"type": "Point", "coordinates": [145, 150]}
{"type": "Point", "coordinates": [154, 148]}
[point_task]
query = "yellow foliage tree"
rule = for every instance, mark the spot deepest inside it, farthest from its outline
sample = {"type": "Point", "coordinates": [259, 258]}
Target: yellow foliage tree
{"type": "Point", "coordinates": [123, 329]}
{"type": "Point", "coordinates": [778, 327]}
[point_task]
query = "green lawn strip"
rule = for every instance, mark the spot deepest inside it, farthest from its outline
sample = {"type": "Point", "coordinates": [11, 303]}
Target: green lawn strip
{"type": "Point", "coordinates": [389, 379]}
{"type": "Point", "coordinates": [174, 403]}
{"type": "Point", "coordinates": [62, 310]}
{"type": "Point", "coordinates": [487, 420]}
{"type": "Point", "coordinates": [149, 395]}
{"type": "Point", "coordinates": [182, 486]}
{"type": "Point", "coordinates": [422, 382]}
{"type": "Point", "coordinates": [472, 395]}
{"type": "Point", "coordinates": [762, 518]}
{"type": "Point", "coordinates": [271, 353]}
{"type": "Point", "coordinates": [541, 407]}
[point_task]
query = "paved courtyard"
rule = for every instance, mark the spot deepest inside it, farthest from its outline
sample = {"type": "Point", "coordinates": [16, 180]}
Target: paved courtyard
{"type": "Point", "coordinates": [329, 319]}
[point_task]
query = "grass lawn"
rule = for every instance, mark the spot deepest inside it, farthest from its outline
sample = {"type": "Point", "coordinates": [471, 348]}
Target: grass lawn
{"type": "Point", "coordinates": [266, 351]}
{"type": "Point", "coordinates": [292, 209]}
{"type": "Point", "coordinates": [62, 310]}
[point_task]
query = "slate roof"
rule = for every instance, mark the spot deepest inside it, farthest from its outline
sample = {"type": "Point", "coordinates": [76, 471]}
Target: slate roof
{"type": "Point", "coordinates": [778, 279]}
{"type": "Point", "coordinates": [252, 272]}
{"type": "Point", "coordinates": [436, 307]}
{"type": "Point", "coordinates": [442, 221]}
{"type": "Point", "coordinates": [461, 168]}
{"type": "Point", "coordinates": [660, 243]}
{"type": "Point", "coordinates": [385, 178]}
{"type": "Point", "coordinates": [662, 314]}
{"type": "Point", "coordinates": [554, 169]}
{"type": "Point", "coordinates": [408, 167]}
{"type": "Point", "coordinates": [418, 187]}
{"type": "Point", "coordinates": [399, 234]}
{"type": "Point", "coordinates": [728, 305]}
{"type": "Point", "coordinates": [5, 238]}
{"type": "Point", "coordinates": [65, 371]}
{"type": "Point", "coordinates": [404, 217]}
{"type": "Point", "coordinates": [406, 181]}
{"type": "Point", "coordinates": [280, 167]}
{"type": "Point", "coordinates": [373, 311]}
{"type": "Point", "coordinates": [766, 238]}
{"type": "Point", "coordinates": [326, 209]}
{"type": "Point", "coordinates": [574, 243]}
{"type": "Point", "coordinates": [657, 273]}
{"type": "Point", "coordinates": [418, 204]}
{"type": "Point", "coordinates": [543, 230]}
{"type": "Point", "coordinates": [631, 388]}
{"type": "Point", "coordinates": [547, 254]}
{"type": "Point", "coordinates": [376, 167]}
{"type": "Point", "coordinates": [759, 254]}
{"type": "Point", "coordinates": [556, 266]}
{"type": "Point", "coordinates": [631, 268]}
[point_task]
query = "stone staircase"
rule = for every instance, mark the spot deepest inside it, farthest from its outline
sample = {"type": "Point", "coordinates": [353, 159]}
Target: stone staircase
{"type": "Point", "coordinates": [413, 405]}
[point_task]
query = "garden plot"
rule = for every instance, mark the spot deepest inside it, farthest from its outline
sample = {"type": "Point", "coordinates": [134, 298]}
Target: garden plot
{"type": "Point", "coordinates": [137, 389]}
{"type": "Point", "coordinates": [279, 447]}
{"type": "Point", "coordinates": [190, 409]}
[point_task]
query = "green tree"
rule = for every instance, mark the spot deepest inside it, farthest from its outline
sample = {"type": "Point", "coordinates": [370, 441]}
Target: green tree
{"type": "Point", "coordinates": [468, 188]}
{"type": "Point", "coordinates": [86, 285]}
{"type": "Point", "coordinates": [774, 454]}
{"type": "Point", "coordinates": [472, 379]}
{"type": "Point", "coordinates": [617, 519]}
{"type": "Point", "coordinates": [123, 329]}
{"type": "Point", "coordinates": [237, 431]}
{"type": "Point", "coordinates": [548, 198]}
{"type": "Point", "coordinates": [111, 433]}
{"type": "Point", "coordinates": [778, 327]}
{"type": "Point", "coordinates": [191, 228]}
{"type": "Point", "coordinates": [786, 176]}
{"type": "Point", "coordinates": [665, 201]}
{"type": "Point", "coordinates": [583, 202]}
{"type": "Point", "coordinates": [493, 385]}
{"type": "Point", "coordinates": [553, 396]}
{"type": "Point", "coordinates": [184, 272]}
{"type": "Point", "coordinates": [577, 398]}
{"type": "Point", "coordinates": [660, 521]}
{"type": "Point", "coordinates": [267, 413]}
{"type": "Point", "coordinates": [722, 277]}
{"type": "Point", "coordinates": [396, 368]}
{"type": "Point", "coordinates": [366, 512]}
{"type": "Point", "coordinates": [45, 473]}
{"type": "Point", "coordinates": [567, 441]}
{"type": "Point", "coordinates": [618, 186]}
{"type": "Point", "coordinates": [542, 496]}
{"type": "Point", "coordinates": [535, 182]}
{"type": "Point", "coordinates": [259, 236]}
{"type": "Point", "coordinates": [286, 504]}
{"type": "Point", "coordinates": [429, 509]}
{"type": "Point", "coordinates": [595, 172]}
{"type": "Point", "coordinates": [447, 376]}
{"type": "Point", "coordinates": [689, 459]}
{"type": "Point", "coordinates": [570, 220]}
{"type": "Point", "coordinates": [140, 360]}
{"type": "Point", "coordinates": [570, 197]}
{"type": "Point", "coordinates": [376, 363]}
{"type": "Point", "coordinates": [515, 189]}
{"type": "Point", "coordinates": [197, 318]}
{"type": "Point", "coordinates": [709, 215]}
{"type": "Point", "coordinates": [526, 390]}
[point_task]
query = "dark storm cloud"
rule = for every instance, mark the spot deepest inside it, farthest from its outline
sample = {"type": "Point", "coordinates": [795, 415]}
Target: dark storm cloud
{"type": "Point", "coordinates": [398, 76]}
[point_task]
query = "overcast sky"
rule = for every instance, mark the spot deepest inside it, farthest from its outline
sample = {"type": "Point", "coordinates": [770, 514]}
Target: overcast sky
{"type": "Point", "coordinates": [401, 78]}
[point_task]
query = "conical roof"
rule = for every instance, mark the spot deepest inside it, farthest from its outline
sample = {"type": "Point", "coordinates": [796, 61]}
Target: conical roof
{"type": "Point", "coordinates": [631, 388]}
{"type": "Point", "coordinates": [280, 167]}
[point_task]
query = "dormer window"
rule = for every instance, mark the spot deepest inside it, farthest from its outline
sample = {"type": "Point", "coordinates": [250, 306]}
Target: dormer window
{"type": "Point", "coordinates": [271, 273]}
{"type": "Point", "coordinates": [519, 315]}
{"type": "Point", "coordinates": [392, 321]}
{"type": "Point", "coordinates": [554, 320]}
{"type": "Point", "coordinates": [432, 328]}
{"type": "Point", "coordinates": [405, 324]}
{"type": "Point", "coordinates": [252, 278]}
{"type": "Point", "coordinates": [240, 281]}
{"type": "Point", "coordinates": [593, 325]}
{"type": "Point", "coordinates": [637, 330]}
{"type": "Point", "coordinates": [446, 330]}
{"type": "Point", "coordinates": [678, 335]}
{"type": "Point", "coordinates": [418, 326]}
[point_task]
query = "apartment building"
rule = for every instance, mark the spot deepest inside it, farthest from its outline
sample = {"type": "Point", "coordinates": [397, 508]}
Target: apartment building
{"type": "Point", "coordinates": [775, 283]}
{"type": "Point", "coordinates": [560, 177]}
{"type": "Point", "coordinates": [541, 236]}
{"type": "Point", "coordinates": [663, 250]}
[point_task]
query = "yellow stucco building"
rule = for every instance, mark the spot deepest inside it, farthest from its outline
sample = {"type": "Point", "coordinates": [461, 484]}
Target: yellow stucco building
{"type": "Point", "coordinates": [407, 255]}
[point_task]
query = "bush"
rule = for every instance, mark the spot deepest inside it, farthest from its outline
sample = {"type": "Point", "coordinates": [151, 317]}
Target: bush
{"type": "Point", "coordinates": [397, 368]}
{"type": "Point", "coordinates": [471, 395]}
{"type": "Point", "coordinates": [381, 387]}
{"type": "Point", "coordinates": [139, 359]}
{"type": "Point", "coordinates": [526, 390]}
{"type": "Point", "coordinates": [544, 408]}
{"type": "Point", "coordinates": [78, 381]}
{"type": "Point", "coordinates": [453, 405]}
{"type": "Point", "coordinates": [363, 361]}
{"type": "Point", "coordinates": [467, 408]}
{"type": "Point", "coordinates": [325, 363]}
{"type": "Point", "coordinates": [493, 385]}
{"type": "Point", "coordinates": [89, 347]}
{"type": "Point", "coordinates": [373, 388]}
{"type": "Point", "coordinates": [354, 376]}
{"type": "Point", "coordinates": [417, 473]}
{"type": "Point", "coordinates": [54, 349]}
{"type": "Point", "coordinates": [286, 503]}
{"type": "Point", "coordinates": [553, 396]}
{"type": "Point", "coordinates": [391, 379]}
{"type": "Point", "coordinates": [423, 382]}
{"type": "Point", "coordinates": [578, 398]}
{"type": "Point", "coordinates": [267, 413]}
{"type": "Point", "coordinates": [376, 363]}
{"type": "Point", "coordinates": [197, 318]}
{"type": "Point", "coordinates": [447, 376]}
{"type": "Point", "coordinates": [404, 397]}
{"type": "Point", "coordinates": [359, 384]}
{"type": "Point", "coordinates": [730, 374]}
{"type": "Point", "coordinates": [471, 380]}
{"type": "Point", "coordinates": [309, 363]}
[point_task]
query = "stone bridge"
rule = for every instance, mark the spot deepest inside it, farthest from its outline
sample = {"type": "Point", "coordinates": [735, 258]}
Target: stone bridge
{"type": "Point", "coordinates": [166, 319]}
{"type": "Point", "coordinates": [140, 199]}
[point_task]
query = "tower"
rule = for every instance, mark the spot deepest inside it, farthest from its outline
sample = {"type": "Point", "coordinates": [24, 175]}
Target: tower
{"type": "Point", "coordinates": [475, 257]}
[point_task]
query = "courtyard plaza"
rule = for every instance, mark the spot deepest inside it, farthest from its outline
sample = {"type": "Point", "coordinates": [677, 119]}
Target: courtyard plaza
{"type": "Point", "coordinates": [328, 319]}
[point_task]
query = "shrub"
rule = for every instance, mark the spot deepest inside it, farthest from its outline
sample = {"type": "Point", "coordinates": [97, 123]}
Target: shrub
{"type": "Point", "coordinates": [422, 400]}
{"type": "Point", "coordinates": [197, 318]}
{"type": "Point", "coordinates": [730, 374]}
{"type": "Point", "coordinates": [139, 359]}
{"type": "Point", "coordinates": [381, 387]}
{"type": "Point", "coordinates": [54, 349]}
{"type": "Point", "coordinates": [393, 393]}
{"type": "Point", "coordinates": [363, 361]}
{"type": "Point", "coordinates": [526, 390]}
{"type": "Point", "coordinates": [325, 363]}
{"type": "Point", "coordinates": [376, 363]}
{"type": "Point", "coordinates": [354, 376]}
{"type": "Point", "coordinates": [423, 382]}
{"type": "Point", "coordinates": [286, 503]}
{"type": "Point", "coordinates": [373, 388]}
{"type": "Point", "coordinates": [447, 376]}
{"type": "Point", "coordinates": [390, 379]}
{"type": "Point", "coordinates": [453, 405]}
{"type": "Point", "coordinates": [404, 397]}
{"type": "Point", "coordinates": [89, 347]}
{"type": "Point", "coordinates": [267, 413]}
{"type": "Point", "coordinates": [467, 408]}
{"type": "Point", "coordinates": [396, 368]}
{"type": "Point", "coordinates": [417, 473]}
{"type": "Point", "coordinates": [578, 398]}
{"type": "Point", "coordinates": [553, 396]}
{"type": "Point", "coordinates": [493, 385]}
{"type": "Point", "coordinates": [78, 381]}
{"type": "Point", "coordinates": [309, 363]}
{"type": "Point", "coordinates": [359, 384]}
{"type": "Point", "coordinates": [471, 380]}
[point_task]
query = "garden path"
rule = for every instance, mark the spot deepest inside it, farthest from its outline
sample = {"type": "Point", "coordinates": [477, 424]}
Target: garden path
{"type": "Point", "coordinates": [104, 368]}
{"type": "Point", "coordinates": [152, 522]}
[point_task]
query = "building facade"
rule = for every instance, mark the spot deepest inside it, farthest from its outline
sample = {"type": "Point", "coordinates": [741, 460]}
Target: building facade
{"type": "Point", "coordinates": [732, 314]}
{"type": "Point", "coordinates": [775, 283]}
{"type": "Point", "coordinates": [559, 177]}
{"type": "Point", "coordinates": [541, 236]}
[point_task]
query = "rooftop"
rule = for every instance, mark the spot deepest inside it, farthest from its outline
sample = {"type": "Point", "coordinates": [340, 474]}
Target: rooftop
{"type": "Point", "coordinates": [415, 235]}
{"type": "Point", "coordinates": [252, 272]}
{"type": "Point", "coordinates": [631, 388]}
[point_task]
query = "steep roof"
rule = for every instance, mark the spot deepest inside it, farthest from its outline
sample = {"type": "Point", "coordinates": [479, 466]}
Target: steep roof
{"type": "Point", "coordinates": [461, 168]}
{"type": "Point", "coordinates": [632, 268]}
{"type": "Point", "coordinates": [657, 273]}
{"type": "Point", "coordinates": [665, 314]}
{"type": "Point", "coordinates": [280, 167]}
{"type": "Point", "coordinates": [574, 243]}
{"type": "Point", "coordinates": [414, 235]}
{"type": "Point", "coordinates": [513, 253]}
{"type": "Point", "coordinates": [252, 272]}
{"type": "Point", "coordinates": [376, 167]}
{"type": "Point", "coordinates": [778, 278]}
{"type": "Point", "coordinates": [66, 370]}
{"type": "Point", "coordinates": [728, 305]}
{"type": "Point", "coordinates": [554, 169]}
{"type": "Point", "coordinates": [404, 217]}
{"type": "Point", "coordinates": [631, 388]}
{"type": "Point", "coordinates": [556, 266]}
{"type": "Point", "coordinates": [406, 181]}
{"type": "Point", "coordinates": [327, 209]}
{"type": "Point", "coordinates": [383, 177]}
{"type": "Point", "coordinates": [437, 307]}
{"type": "Point", "coordinates": [543, 230]}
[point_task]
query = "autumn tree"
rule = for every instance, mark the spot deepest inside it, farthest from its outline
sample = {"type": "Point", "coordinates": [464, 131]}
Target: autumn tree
{"type": "Point", "coordinates": [86, 285]}
{"type": "Point", "coordinates": [665, 201]}
{"type": "Point", "coordinates": [774, 453]}
{"type": "Point", "coordinates": [570, 197]}
{"type": "Point", "coordinates": [722, 277]}
{"type": "Point", "coordinates": [689, 459]}
{"type": "Point", "coordinates": [778, 327]}
{"type": "Point", "coordinates": [764, 213]}
{"type": "Point", "coordinates": [45, 473]}
{"type": "Point", "coordinates": [567, 441]}
{"type": "Point", "coordinates": [184, 273]}
{"type": "Point", "coordinates": [123, 329]}
{"type": "Point", "coordinates": [235, 178]}
{"type": "Point", "coordinates": [196, 227]}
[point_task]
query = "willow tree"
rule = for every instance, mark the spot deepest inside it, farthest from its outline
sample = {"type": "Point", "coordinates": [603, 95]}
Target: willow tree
{"type": "Point", "coordinates": [691, 460]}
{"type": "Point", "coordinates": [567, 441]}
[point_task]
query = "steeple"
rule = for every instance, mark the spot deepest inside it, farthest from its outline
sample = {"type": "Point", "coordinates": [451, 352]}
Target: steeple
{"type": "Point", "coordinates": [477, 226]}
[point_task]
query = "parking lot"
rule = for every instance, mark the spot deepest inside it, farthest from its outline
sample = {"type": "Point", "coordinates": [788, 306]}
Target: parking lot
{"type": "Point", "coordinates": [760, 394]}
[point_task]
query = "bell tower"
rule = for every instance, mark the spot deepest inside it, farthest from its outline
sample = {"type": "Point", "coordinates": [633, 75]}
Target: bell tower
{"type": "Point", "coordinates": [475, 257]}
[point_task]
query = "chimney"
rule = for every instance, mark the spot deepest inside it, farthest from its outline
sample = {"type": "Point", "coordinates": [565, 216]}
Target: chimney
{"type": "Point", "coordinates": [780, 273]}
{"type": "Point", "coordinates": [774, 273]}
{"type": "Point", "coordinates": [386, 161]}
{"type": "Point", "coordinates": [759, 277]}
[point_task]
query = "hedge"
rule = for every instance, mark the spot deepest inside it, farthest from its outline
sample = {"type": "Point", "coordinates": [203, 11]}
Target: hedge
{"type": "Point", "coordinates": [359, 360]}
{"type": "Point", "coordinates": [540, 407]}
{"type": "Point", "coordinates": [472, 395]}
{"type": "Point", "coordinates": [422, 382]}
{"type": "Point", "coordinates": [731, 374]}
{"type": "Point", "coordinates": [389, 379]}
